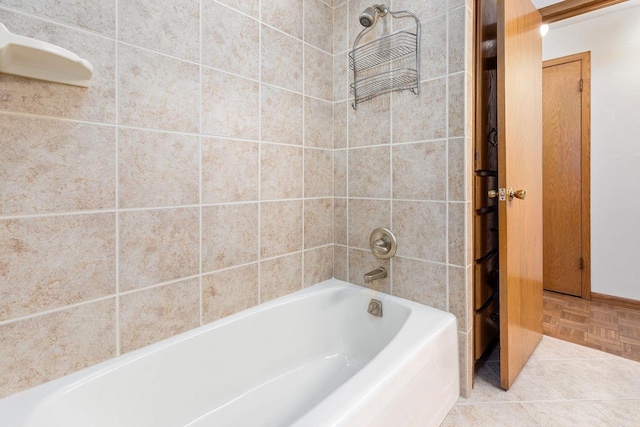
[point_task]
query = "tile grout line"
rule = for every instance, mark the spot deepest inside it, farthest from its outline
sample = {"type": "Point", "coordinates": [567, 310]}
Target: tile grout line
{"type": "Point", "coordinates": [150, 208]}
{"type": "Point", "coordinates": [196, 134]}
{"type": "Point", "coordinates": [260, 41]}
{"type": "Point", "coordinates": [117, 172]}
{"type": "Point", "coordinates": [146, 288]}
{"type": "Point", "coordinates": [115, 38]}
{"type": "Point", "coordinates": [346, 111]}
{"type": "Point", "coordinates": [304, 142]}
{"type": "Point", "coordinates": [446, 170]}
{"type": "Point", "coordinates": [201, 169]}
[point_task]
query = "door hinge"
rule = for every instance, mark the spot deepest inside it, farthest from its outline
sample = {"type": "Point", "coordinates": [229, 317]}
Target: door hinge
{"type": "Point", "coordinates": [581, 85]}
{"type": "Point", "coordinates": [581, 263]}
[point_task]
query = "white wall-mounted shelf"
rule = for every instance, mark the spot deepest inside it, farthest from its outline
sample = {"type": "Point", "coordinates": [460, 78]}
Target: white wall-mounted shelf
{"type": "Point", "coordinates": [27, 57]}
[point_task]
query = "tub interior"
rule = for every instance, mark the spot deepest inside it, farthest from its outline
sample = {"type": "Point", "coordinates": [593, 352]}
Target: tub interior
{"type": "Point", "coordinates": [291, 357]}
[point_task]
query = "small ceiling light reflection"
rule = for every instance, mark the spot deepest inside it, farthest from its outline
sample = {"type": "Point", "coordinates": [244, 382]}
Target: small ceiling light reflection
{"type": "Point", "coordinates": [544, 29]}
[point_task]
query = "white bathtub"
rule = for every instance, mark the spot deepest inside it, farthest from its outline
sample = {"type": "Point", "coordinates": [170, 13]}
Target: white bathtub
{"type": "Point", "coordinates": [312, 358]}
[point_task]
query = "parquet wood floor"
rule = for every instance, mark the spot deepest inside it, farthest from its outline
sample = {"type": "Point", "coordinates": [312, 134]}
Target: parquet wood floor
{"type": "Point", "coordinates": [598, 325]}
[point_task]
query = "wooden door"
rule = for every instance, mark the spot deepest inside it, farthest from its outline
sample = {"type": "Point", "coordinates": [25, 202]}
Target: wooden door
{"type": "Point", "coordinates": [565, 83]}
{"type": "Point", "coordinates": [520, 168]}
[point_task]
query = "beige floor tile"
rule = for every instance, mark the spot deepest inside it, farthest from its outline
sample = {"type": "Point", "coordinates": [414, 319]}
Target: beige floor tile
{"type": "Point", "coordinates": [454, 419]}
{"type": "Point", "coordinates": [611, 378]}
{"type": "Point", "coordinates": [552, 348]}
{"type": "Point", "coordinates": [624, 412]}
{"type": "Point", "coordinates": [567, 414]}
{"type": "Point", "coordinates": [496, 415]}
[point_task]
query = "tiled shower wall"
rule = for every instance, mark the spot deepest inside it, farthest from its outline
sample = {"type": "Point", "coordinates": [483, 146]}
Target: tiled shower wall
{"type": "Point", "coordinates": [403, 161]}
{"type": "Point", "coordinates": [192, 180]}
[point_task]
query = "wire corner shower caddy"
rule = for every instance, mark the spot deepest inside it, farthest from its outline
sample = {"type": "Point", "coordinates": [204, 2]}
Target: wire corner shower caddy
{"type": "Point", "coordinates": [385, 64]}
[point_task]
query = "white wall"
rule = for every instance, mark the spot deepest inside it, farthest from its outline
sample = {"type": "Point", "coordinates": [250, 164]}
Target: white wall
{"type": "Point", "coordinates": [614, 42]}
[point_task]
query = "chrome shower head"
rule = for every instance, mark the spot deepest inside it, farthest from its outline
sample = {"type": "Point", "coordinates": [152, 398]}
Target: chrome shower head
{"type": "Point", "coordinates": [370, 15]}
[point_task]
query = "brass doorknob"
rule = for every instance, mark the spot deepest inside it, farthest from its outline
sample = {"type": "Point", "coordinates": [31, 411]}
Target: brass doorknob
{"type": "Point", "coordinates": [492, 194]}
{"type": "Point", "coordinates": [518, 194]}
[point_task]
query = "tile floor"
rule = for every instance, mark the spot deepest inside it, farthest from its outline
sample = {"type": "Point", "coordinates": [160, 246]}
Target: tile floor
{"type": "Point", "coordinates": [602, 326]}
{"type": "Point", "coordinates": [563, 384]}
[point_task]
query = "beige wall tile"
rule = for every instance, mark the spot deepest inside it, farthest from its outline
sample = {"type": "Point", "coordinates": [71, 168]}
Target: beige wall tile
{"type": "Point", "coordinates": [469, 39]}
{"type": "Point", "coordinates": [457, 39]}
{"type": "Point", "coordinates": [340, 33]}
{"type": "Point", "coordinates": [369, 174]}
{"type": "Point", "coordinates": [55, 166]}
{"type": "Point", "coordinates": [340, 221]}
{"type": "Point", "coordinates": [318, 29]}
{"type": "Point", "coordinates": [433, 46]}
{"type": "Point", "coordinates": [457, 170]}
{"type": "Point", "coordinates": [229, 291]}
{"type": "Point", "coordinates": [280, 276]}
{"type": "Point", "coordinates": [318, 222]}
{"type": "Point", "coordinates": [318, 123]}
{"type": "Point", "coordinates": [32, 96]}
{"type": "Point", "coordinates": [250, 7]}
{"type": "Point", "coordinates": [424, 9]}
{"type": "Point", "coordinates": [341, 77]}
{"type": "Point", "coordinates": [158, 92]}
{"type": "Point", "coordinates": [369, 124]}
{"type": "Point", "coordinates": [422, 117]}
{"type": "Point", "coordinates": [158, 313]}
{"type": "Point", "coordinates": [340, 270]}
{"type": "Point", "coordinates": [419, 281]}
{"type": "Point", "coordinates": [229, 170]}
{"type": "Point", "coordinates": [340, 173]}
{"type": "Point", "coordinates": [340, 127]}
{"type": "Point", "coordinates": [418, 171]}
{"type": "Point", "coordinates": [461, 296]}
{"type": "Point", "coordinates": [457, 235]}
{"type": "Point", "coordinates": [361, 262]}
{"type": "Point", "coordinates": [50, 262]}
{"type": "Point", "coordinates": [465, 358]}
{"type": "Point", "coordinates": [229, 235]}
{"type": "Point", "coordinates": [158, 246]}
{"type": "Point", "coordinates": [230, 40]}
{"type": "Point", "coordinates": [281, 115]}
{"type": "Point", "coordinates": [94, 15]}
{"type": "Point", "coordinates": [169, 26]}
{"type": "Point", "coordinates": [281, 172]}
{"type": "Point", "coordinates": [230, 105]}
{"type": "Point", "coordinates": [158, 169]}
{"type": "Point", "coordinates": [318, 67]}
{"type": "Point", "coordinates": [318, 173]}
{"type": "Point", "coordinates": [281, 58]}
{"type": "Point", "coordinates": [456, 105]}
{"type": "Point", "coordinates": [364, 217]}
{"type": "Point", "coordinates": [318, 265]}
{"type": "Point", "coordinates": [43, 348]}
{"type": "Point", "coordinates": [281, 228]}
{"type": "Point", "coordinates": [469, 106]}
{"type": "Point", "coordinates": [285, 15]}
{"type": "Point", "coordinates": [420, 230]}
